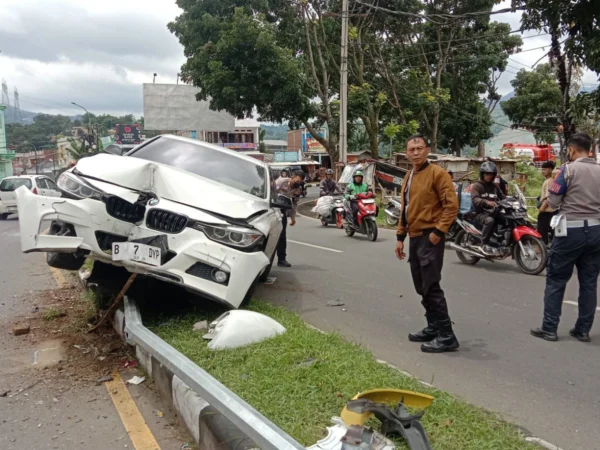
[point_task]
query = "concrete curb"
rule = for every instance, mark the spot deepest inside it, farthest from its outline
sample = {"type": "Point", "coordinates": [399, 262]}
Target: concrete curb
{"type": "Point", "coordinates": [209, 428]}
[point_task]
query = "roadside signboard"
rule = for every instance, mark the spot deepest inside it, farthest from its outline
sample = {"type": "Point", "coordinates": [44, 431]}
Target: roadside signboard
{"type": "Point", "coordinates": [127, 134]}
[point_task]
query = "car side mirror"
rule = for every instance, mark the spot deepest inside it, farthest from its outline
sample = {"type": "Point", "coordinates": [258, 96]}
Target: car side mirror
{"type": "Point", "coordinates": [114, 149]}
{"type": "Point", "coordinates": [283, 203]}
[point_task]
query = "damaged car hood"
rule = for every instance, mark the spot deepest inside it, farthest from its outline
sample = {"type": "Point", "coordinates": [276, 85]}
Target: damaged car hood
{"type": "Point", "coordinates": [172, 184]}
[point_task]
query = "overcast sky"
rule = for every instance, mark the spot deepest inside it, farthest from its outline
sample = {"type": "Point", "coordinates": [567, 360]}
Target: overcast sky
{"type": "Point", "coordinates": [98, 53]}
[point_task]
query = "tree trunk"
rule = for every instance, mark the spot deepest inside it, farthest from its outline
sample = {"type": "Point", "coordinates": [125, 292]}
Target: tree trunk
{"type": "Point", "coordinates": [372, 129]}
{"type": "Point", "coordinates": [435, 123]}
{"type": "Point", "coordinates": [457, 147]}
{"type": "Point", "coordinates": [481, 150]}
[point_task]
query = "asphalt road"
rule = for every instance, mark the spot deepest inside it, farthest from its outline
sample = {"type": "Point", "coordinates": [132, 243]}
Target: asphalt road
{"type": "Point", "coordinates": [550, 389]}
{"type": "Point", "coordinates": [53, 412]}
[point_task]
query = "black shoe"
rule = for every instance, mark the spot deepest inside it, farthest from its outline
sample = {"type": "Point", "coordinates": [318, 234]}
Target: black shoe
{"type": "Point", "coordinates": [427, 334]}
{"type": "Point", "coordinates": [583, 337]}
{"type": "Point", "coordinates": [543, 334]}
{"type": "Point", "coordinates": [444, 342]}
{"type": "Point", "coordinates": [284, 264]}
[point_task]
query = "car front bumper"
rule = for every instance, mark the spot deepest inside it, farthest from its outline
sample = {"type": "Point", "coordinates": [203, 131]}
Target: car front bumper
{"type": "Point", "coordinates": [190, 262]}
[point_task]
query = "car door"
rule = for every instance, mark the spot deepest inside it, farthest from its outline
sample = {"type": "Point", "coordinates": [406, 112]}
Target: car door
{"type": "Point", "coordinates": [52, 188]}
{"type": "Point", "coordinates": [272, 219]}
{"type": "Point", "coordinates": [42, 187]}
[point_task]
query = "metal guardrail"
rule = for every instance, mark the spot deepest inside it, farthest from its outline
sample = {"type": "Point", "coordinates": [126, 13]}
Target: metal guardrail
{"type": "Point", "coordinates": [248, 420]}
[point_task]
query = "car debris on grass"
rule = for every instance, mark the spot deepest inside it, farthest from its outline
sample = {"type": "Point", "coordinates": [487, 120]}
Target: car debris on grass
{"type": "Point", "coordinates": [302, 398]}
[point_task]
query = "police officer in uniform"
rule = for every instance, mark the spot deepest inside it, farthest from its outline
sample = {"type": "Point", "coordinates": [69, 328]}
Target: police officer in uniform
{"type": "Point", "coordinates": [576, 192]}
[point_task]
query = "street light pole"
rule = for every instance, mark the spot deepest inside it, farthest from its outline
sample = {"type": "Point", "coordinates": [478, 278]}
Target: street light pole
{"type": "Point", "coordinates": [88, 114]}
{"type": "Point", "coordinates": [343, 144]}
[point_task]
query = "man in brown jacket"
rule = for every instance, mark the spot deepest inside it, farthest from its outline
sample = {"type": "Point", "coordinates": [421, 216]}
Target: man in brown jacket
{"type": "Point", "coordinates": [429, 207]}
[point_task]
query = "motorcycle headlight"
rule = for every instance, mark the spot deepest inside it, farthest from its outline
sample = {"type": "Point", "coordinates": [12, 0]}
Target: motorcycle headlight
{"type": "Point", "coordinates": [244, 239]}
{"type": "Point", "coordinates": [77, 188]}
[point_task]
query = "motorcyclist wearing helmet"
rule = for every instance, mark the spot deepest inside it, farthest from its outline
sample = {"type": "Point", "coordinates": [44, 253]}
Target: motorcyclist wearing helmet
{"type": "Point", "coordinates": [285, 172]}
{"type": "Point", "coordinates": [329, 186]}
{"type": "Point", "coordinates": [353, 189]}
{"type": "Point", "coordinates": [485, 193]}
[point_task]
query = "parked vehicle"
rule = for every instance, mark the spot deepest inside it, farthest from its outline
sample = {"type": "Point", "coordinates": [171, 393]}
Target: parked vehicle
{"type": "Point", "coordinates": [392, 212]}
{"type": "Point", "coordinates": [366, 222]}
{"type": "Point", "coordinates": [177, 209]}
{"type": "Point", "coordinates": [36, 184]}
{"type": "Point", "coordinates": [335, 212]}
{"type": "Point", "coordinates": [513, 236]}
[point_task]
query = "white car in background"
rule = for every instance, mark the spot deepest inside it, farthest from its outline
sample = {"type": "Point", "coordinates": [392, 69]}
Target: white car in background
{"type": "Point", "coordinates": [177, 209]}
{"type": "Point", "coordinates": [36, 184]}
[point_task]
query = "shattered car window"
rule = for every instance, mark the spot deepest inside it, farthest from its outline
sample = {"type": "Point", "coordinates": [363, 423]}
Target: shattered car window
{"type": "Point", "coordinates": [12, 184]}
{"type": "Point", "coordinates": [218, 166]}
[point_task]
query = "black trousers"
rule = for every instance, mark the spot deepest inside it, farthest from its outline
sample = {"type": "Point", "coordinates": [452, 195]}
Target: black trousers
{"type": "Point", "coordinates": [282, 243]}
{"type": "Point", "coordinates": [354, 209]}
{"type": "Point", "coordinates": [579, 248]}
{"type": "Point", "coordinates": [488, 221]}
{"type": "Point", "coordinates": [543, 225]}
{"type": "Point", "coordinates": [426, 261]}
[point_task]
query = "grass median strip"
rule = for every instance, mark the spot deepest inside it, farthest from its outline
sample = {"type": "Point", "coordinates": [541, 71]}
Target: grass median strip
{"type": "Point", "coordinates": [302, 378]}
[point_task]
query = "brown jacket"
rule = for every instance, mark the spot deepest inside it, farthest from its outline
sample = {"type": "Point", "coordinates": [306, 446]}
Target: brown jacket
{"type": "Point", "coordinates": [433, 204]}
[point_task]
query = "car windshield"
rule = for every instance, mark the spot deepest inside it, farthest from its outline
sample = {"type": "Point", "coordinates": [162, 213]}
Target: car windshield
{"type": "Point", "coordinates": [12, 184]}
{"type": "Point", "coordinates": [218, 166]}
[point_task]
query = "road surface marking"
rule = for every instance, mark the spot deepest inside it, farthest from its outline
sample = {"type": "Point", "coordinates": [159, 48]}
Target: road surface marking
{"type": "Point", "coordinates": [139, 433]}
{"type": "Point", "coordinates": [58, 277]}
{"type": "Point", "coordinates": [576, 304]}
{"type": "Point", "coordinates": [316, 246]}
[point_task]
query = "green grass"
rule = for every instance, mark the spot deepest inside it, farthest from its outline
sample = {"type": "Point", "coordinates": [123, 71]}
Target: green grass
{"type": "Point", "coordinates": [300, 397]}
{"type": "Point", "coordinates": [52, 314]}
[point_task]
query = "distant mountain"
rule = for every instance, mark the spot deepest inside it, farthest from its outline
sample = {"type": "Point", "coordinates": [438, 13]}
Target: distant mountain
{"type": "Point", "coordinates": [27, 115]}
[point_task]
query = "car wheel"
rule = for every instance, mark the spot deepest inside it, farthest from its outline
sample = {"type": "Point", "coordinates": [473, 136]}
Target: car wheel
{"type": "Point", "coordinates": [3, 216]}
{"type": "Point", "coordinates": [250, 293]}
{"type": "Point", "coordinates": [64, 261]}
{"type": "Point", "coordinates": [265, 275]}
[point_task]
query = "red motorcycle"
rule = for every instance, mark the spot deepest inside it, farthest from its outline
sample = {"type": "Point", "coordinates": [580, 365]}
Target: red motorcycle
{"type": "Point", "coordinates": [366, 222]}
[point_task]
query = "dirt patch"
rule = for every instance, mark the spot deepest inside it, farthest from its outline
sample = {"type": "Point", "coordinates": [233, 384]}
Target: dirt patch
{"type": "Point", "coordinates": [58, 343]}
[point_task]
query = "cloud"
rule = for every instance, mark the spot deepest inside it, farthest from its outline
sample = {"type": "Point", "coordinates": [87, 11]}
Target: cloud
{"type": "Point", "coordinates": [99, 52]}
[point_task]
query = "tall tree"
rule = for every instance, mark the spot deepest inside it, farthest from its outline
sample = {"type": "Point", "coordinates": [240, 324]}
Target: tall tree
{"type": "Point", "coordinates": [537, 103]}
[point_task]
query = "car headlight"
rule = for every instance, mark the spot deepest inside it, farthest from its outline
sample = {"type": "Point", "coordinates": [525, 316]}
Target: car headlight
{"type": "Point", "coordinates": [75, 187]}
{"type": "Point", "coordinates": [233, 236]}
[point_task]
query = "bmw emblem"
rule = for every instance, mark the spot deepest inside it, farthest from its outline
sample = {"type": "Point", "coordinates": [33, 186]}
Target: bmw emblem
{"type": "Point", "coordinates": [153, 202]}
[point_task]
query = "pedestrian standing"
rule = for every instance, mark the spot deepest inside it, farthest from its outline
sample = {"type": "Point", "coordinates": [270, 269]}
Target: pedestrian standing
{"type": "Point", "coordinates": [429, 207]}
{"type": "Point", "coordinates": [289, 190]}
{"type": "Point", "coordinates": [546, 211]}
{"type": "Point", "coordinates": [576, 194]}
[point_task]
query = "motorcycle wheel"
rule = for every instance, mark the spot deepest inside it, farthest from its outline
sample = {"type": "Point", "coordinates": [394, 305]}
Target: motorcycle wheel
{"type": "Point", "coordinates": [349, 231]}
{"type": "Point", "coordinates": [391, 221]}
{"type": "Point", "coordinates": [535, 245]}
{"type": "Point", "coordinates": [462, 239]}
{"type": "Point", "coordinates": [339, 220]}
{"type": "Point", "coordinates": [371, 227]}
{"type": "Point", "coordinates": [323, 222]}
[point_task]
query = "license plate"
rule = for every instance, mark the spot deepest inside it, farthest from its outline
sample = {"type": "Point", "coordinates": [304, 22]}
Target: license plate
{"type": "Point", "coordinates": [366, 202]}
{"type": "Point", "coordinates": [131, 251]}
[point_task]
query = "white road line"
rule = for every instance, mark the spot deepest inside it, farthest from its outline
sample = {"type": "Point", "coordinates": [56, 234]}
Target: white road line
{"type": "Point", "coordinates": [576, 304]}
{"type": "Point", "coordinates": [316, 246]}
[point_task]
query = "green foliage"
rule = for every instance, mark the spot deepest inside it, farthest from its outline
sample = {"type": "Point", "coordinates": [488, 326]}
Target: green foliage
{"type": "Point", "coordinates": [301, 378]}
{"type": "Point", "coordinates": [80, 149]}
{"type": "Point", "coordinates": [537, 103]}
{"type": "Point", "coordinates": [358, 140]}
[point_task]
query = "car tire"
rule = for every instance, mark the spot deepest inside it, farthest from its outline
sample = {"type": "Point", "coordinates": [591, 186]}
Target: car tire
{"type": "Point", "coordinates": [3, 216]}
{"type": "Point", "coordinates": [265, 275]}
{"type": "Point", "coordinates": [250, 292]}
{"type": "Point", "coordinates": [65, 261]}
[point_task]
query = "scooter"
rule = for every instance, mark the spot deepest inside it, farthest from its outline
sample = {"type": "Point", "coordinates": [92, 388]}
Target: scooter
{"type": "Point", "coordinates": [336, 214]}
{"type": "Point", "coordinates": [392, 212]}
{"type": "Point", "coordinates": [366, 217]}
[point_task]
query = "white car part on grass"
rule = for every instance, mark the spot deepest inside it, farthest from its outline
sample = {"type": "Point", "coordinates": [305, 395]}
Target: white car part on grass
{"type": "Point", "coordinates": [240, 328]}
{"type": "Point", "coordinates": [369, 440]}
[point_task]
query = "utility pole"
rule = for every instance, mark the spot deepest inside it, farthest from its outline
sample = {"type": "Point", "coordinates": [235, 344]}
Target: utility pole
{"type": "Point", "coordinates": [343, 142]}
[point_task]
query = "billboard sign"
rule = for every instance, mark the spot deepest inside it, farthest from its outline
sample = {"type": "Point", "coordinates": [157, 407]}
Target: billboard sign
{"type": "Point", "coordinates": [310, 144]}
{"type": "Point", "coordinates": [286, 157]}
{"type": "Point", "coordinates": [127, 134]}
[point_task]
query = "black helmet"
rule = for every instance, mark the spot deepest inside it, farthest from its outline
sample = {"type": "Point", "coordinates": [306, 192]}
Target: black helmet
{"type": "Point", "coordinates": [329, 172]}
{"type": "Point", "coordinates": [488, 167]}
